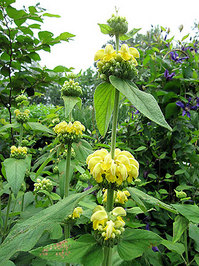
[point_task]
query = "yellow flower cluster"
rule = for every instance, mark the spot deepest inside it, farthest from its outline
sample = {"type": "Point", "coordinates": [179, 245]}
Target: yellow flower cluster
{"type": "Point", "coordinates": [108, 225]}
{"type": "Point", "coordinates": [76, 213]}
{"type": "Point", "coordinates": [120, 170]}
{"type": "Point", "coordinates": [122, 64]}
{"type": "Point", "coordinates": [126, 53]}
{"type": "Point", "coordinates": [18, 153]}
{"type": "Point", "coordinates": [22, 117]}
{"type": "Point", "coordinates": [119, 196]}
{"type": "Point", "coordinates": [69, 132]}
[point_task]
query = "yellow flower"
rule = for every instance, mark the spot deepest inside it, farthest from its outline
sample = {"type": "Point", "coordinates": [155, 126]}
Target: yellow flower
{"type": "Point", "coordinates": [128, 53]}
{"type": "Point", "coordinates": [123, 167]}
{"type": "Point", "coordinates": [109, 230]}
{"type": "Point", "coordinates": [118, 211]}
{"type": "Point", "coordinates": [119, 222]}
{"type": "Point", "coordinates": [17, 112]}
{"type": "Point", "coordinates": [105, 54]}
{"type": "Point", "coordinates": [99, 217]}
{"type": "Point", "coordinates": [122, 196]}
{"type": "Point", "coordinates": [77, 212]}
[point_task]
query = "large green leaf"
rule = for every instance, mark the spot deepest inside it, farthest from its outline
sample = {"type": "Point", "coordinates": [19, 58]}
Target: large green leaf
{"type": "Point", "coordinates": [135, 242]}
{"type": "Point", "coordinates": [82, 150]}
{"type": "Point", "coordinates": [194, 234]}
{"type": "Point", "coordinates": [5, 127]}
{"type": "Point", "coordinates": [150, 200]}
{"type": "Point", "coordinates": [72, 251]}
{"type": "Point", "coordinates": [143, 101]}
{"type": "Point", "coordinates": [191, 212]}
{"type": "Point", "coordinates": [40, 127]}
{"type": "Point", "coordinates": [176, 247]}
{"type": "Point", "coordinates": [104, 103]}
{"type": "Point", "coordinates": [25, 235]}
{"type": "Point", "coordinates": [179, 226]}
{"type": "Point", "coordinates": [69, 103]}
{"type": "Point", "coordinates": [15, 172]}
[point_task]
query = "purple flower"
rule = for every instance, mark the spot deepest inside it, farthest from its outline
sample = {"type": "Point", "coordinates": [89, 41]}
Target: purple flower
{"type": "Point", "coordinates": [155, 249]}
{"type": "Point", "coordinates": [134, 113]}
{"type": "Point", "coordinates": [187, 107]}
{"type": "Point", "coordinates": [168, 76]}
{"type": "Point", "coordinates": [197, 101]}
{"type": "Point", "coordinates": [175, 57]}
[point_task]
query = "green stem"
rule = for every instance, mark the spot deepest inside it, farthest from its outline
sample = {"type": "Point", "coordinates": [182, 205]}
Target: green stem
{"type": "Point", "coordinates": [110, 192]}
{"type": "Point", "coordinates": [68, 159]}
{"type": "Point", "coordinates": [20, 134]}
{"type": "Point", "coordinates": [22, 203]}
{"type": "Point", "coordinates": [186, 249]}
{"type": "Point", "coordinates": [7, 215]}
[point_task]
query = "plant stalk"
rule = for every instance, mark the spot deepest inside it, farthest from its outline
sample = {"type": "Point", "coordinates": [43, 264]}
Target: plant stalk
{"type": "Point", "coordinates": [67, 172]}
{"type": "Point", "coordinates": [186, 249]}
{"type": "Point", "coordinates": [110, 192]}
{"type": "Point", "coordinates": [20, 134]}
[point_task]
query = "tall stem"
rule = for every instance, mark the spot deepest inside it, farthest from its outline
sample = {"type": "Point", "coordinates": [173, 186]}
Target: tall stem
{"type": "Point", "coordinates": [186, 249]}
{"type": "Point", "coordinates": [68, 159]}
{"type": "Point", "coordinates": [110, 192]}
{"type": "Point", "coordinates": [20, 134]}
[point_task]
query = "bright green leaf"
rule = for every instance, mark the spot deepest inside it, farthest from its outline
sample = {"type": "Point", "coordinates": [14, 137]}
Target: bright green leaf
{"type": "Point", "coordinates": [51, 15]}
{"type": "Point", "coordinates": [104, 103]}
{"type": "Point", "coordinates": [40, 127]}
{"type": "Point", "coordinates": [105, 29]}
{"type": "Point", "coordinates": [194, 234]}
{"type": "Point", "coordinates": [191, 212]}
{"type": "Point", "coordinates": [15, 173]}
{"type": "Point", "coordinates": [179, 226]}
{"type": "Point", "coordinates": [176, 247]}
{"type": "Point", "coordinates": [129, 34]}
{"type": "Point", "coordinates": [69, 103]}
{"type": "Point", "coordinates": [143, 101]}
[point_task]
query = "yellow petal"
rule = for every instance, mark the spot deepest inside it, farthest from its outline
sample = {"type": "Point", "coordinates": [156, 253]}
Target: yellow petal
{"type": "Point", "coordinates": [99, 55]}
{"type": "Point", "coordinates": [134, 162]}
{"type": "Point", "coordinates": [92, 162]}
{"type": "Point", "coordinates": [106, 165]}
{"type": "Point", "coordinates": [119, 211]}
{"type": "Point", "coordinates": [99, 216]}
{"type": "Point", "coordinates": [122, 159]}
{"type": "Point", "coordinates": [134, 52]}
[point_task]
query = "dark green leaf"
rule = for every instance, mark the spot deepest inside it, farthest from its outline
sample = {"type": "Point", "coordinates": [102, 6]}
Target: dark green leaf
{"type": "Point", "coordinates": [151, 200]}
{"type": "Point", "coordinates": [191, 212]}
{"type": "Point", "coordinates": [104, 103]}
{"type": "Point", "coordinates": [143, 101]}
{"type": "Point", "coordinates": [176, 247]}
{"type": "Point", "coordinates": [69, 250]}
{"type": "Point", "coordinates": [23, 236]}
{"type": "Point", "coordinates": [135, 242]}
